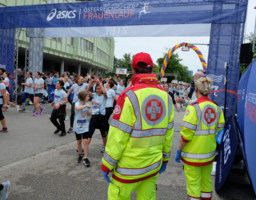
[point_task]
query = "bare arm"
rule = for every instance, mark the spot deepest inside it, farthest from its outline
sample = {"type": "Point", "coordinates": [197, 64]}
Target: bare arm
{"type": "Point", "coordinates": [182, 145]}
{"type": "Point", "coordinates": [88, 89]}
{"type": "Point", "coordinates": [82, 107]}
{"type": "Point", "coordinates": [69, 91]}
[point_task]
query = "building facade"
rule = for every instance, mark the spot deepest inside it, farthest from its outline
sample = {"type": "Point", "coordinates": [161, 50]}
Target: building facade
{"type": "Point", "coordinates": [79, 55]}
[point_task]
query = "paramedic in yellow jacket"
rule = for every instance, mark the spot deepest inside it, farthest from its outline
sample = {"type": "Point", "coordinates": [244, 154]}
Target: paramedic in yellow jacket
{"type": "Point", "coordinates": [140, 136]}
{"type": "Point", "coordinates": [202, 120]}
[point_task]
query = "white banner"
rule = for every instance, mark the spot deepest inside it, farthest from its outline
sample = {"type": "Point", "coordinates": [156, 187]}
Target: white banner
{"type": "Point", "coordinates": [132, 31]}
{"type": "Point", "coordinates": [163, 79]}
{"type": "Point", "coordinates": [121, 71]}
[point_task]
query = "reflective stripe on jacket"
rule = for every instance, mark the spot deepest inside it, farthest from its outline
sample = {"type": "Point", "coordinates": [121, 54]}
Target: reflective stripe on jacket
{"type": "Point", "coordinates": [141, 131]}
{"type": "Point", "coordinates": [201, 122]}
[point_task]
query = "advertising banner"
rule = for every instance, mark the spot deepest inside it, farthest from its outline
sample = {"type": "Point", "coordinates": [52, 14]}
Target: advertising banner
{"type": "Point", "coordinates": [250, 124]}
{"type": "Point", "coordinates": [227, 153]}
{"type": "Point", "coordinates": [121, 71]}
{"type": "Point", "coordinates": [119, 13]}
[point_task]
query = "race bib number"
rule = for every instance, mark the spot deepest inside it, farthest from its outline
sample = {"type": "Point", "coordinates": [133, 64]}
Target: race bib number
{"type": "Point", "coordinates": [95, 110]}
{"type": "Point", "coordinates": [81, 125]}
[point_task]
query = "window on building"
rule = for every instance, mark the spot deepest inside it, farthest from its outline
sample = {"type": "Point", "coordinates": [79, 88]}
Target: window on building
{"type": "Point", "coordinates": [54, 38]}
{"type": "Point", "coordinates": [59, 40]}
{"type": "Point", "coordinates": [70, 41]}
{"type": "Point", "coordinates": [102, 55]}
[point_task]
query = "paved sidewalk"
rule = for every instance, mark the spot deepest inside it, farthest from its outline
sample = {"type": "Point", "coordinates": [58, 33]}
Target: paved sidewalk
{"type": "Point", "coordinates": [42, 166]}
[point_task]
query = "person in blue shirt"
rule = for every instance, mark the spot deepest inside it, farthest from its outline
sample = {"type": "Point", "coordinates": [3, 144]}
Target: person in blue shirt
{"type": "Point", "coordinates": [81, 126]}
{"type": "Point", "coordinates": [39, 90]}
{"type": "Point", "coordinates": [28, 91]}
{"type": "Point", "coordinates": [59, 110]}
{"type": "Point", "coordinates": [109, 104]}
{"type": "Point", "coordinates": [3, 104]}
{"type": "Point", "coordinates": [98, 119]}
{"type": "Point", "coordinates": [77, 87]}
{"type": "Point", "coordinates": [120, 88]}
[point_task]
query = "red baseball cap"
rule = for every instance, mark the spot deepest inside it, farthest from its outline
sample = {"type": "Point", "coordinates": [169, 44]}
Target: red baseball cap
{"type": "Point", "coordinates": [142, 57]}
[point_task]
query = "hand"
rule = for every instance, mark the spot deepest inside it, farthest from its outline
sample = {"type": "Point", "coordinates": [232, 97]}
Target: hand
{"type": "Point", "coordinates": [105, 175]}
{"type": "Point", "coordinates": [88, 106]}
{"type": "Point", "coordinates": [52, 104]}
{"type": "Point", "coordinates": [178, 156]}
{"type": "Point", "coordinates": [57, 106]}
{"type": "Point", "coordinates": [22, 83]}
{"type": "Point", "coordinates": [88, 113]}
{"type": "Point", "coordinates": [163, 168]}
{"type": "Point", "coordinates": [188, 98]}
{"type": "Point", "coordinates": [127, 74]}
{"type": "Point", "coordinates": [88, 75]}
{"type": "Point", "coordinates": [5, 106]}
{"type": "Point", "coordinates": [178, 109]}
{"type": "Point", "coordinates": [110, 77]}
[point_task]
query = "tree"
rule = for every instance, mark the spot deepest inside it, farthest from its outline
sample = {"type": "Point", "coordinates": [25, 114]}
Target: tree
{"type": "Point", "coordinates": [174, 66]}
{"type": "Point", "coordinates": [245, 65]}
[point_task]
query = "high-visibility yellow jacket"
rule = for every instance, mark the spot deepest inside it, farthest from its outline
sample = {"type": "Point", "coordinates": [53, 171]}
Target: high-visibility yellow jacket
{"type": "Point", "coordinates": [202, 120]}
{"type": "Point", "coordinates": [141, 131]}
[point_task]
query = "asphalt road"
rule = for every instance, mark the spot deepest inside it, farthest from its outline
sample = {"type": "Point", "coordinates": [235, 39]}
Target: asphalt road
{"type": "Point", "coordinates": [42, 166]}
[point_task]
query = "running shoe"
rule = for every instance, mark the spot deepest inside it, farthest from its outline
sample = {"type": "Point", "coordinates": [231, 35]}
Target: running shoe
{"type": "Point", "coordinates": [55, 132]}
{"type": "Point", "coordinates": [62, 134]}
{"type": "Point", "coordinates": [5, 191]}
{"type": "Point", "coordinates": [102, 150]}
{"type": "Point", "coordinates": [42, 110]}
{"type": "Point", "coordinates": [18, 107]}
{"type": "Point", "coordinates": [86, 162]}
{"type": "Point", "coordinates": [23, 110]}
{"type": "Point", "coordinates": [80, 158]}
{"type": "Point", "coordinates": [36, 114]}
{"type": "Point", "coordinates": [66, 118]}
{"type": "Point", "coordinates": [4, 130]}
{"type": "Point", "coordinates": [70, 130]}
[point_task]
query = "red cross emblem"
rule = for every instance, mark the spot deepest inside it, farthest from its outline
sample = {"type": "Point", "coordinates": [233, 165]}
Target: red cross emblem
{"type": "Point", "coordinates": [154, 110]}
{"type": "Point", "coordinates": [209, 115]}
{"type": "Point", "coordinates": [117, 110]}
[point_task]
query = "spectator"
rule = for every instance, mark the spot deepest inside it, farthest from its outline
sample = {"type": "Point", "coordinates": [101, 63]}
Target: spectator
{"type": "Point", "coordinates": [21, 76]}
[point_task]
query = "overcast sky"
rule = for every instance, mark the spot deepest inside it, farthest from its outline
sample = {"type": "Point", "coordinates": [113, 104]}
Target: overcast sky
{"type": "Point", "coordinates": [155, 46]}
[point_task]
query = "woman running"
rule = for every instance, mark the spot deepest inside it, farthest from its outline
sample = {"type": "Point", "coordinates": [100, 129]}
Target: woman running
{"type": "Point", "coordinates": [7, 84]}
{"type": "Point", "coordinates": [39, 89]}
{"type": "Point", "coordinates": [77, 87]}
{"type": "Point", "coordinates": [59, 103]}
{"type": "Point", "coordinates": [109, 104]}
{"type": "Point", "coordinates": [81, 126]}
{"type": "Point", "coordinates": [3, 103]}
{"type": "Point", "coordinates": [28, 91]}
{"type": "Point", "coordinates": [66, 88]}
{"type": "Point", "coordinates": [98, 119]}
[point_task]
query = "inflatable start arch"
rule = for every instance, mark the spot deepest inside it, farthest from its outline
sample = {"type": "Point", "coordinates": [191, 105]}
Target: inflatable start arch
{"type": "Point", "coordinates": [183, 44]}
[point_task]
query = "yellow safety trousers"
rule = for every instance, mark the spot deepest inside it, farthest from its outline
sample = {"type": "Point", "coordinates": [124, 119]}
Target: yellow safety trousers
{"type": "Point", "coordinates": [198, 180]}
{"type": "Point", "coordinates": [146, 189]}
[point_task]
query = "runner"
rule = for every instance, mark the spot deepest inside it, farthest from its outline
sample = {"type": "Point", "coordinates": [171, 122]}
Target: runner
{"type": "Point", "coordinates": [66, 88]}
{"type": "Point", "coordinates": [77, 87]}
{"type": "Point", "coordinates": [60, 100]}
{"type": "Point", "coordinates": [82, 110]}
{"type": "Point", "coordinates": [120, 88]}
{"type": "Point", "coordinates": [39, 89]}
{"type": "Point", "coordinates": [166, 88]}
{"type": "Point", "coordinates": [109, 104]}
{"type": "Point", "coordinates": [98, 119]}
{"type": "Point", "coordinates": [28, 91]}
{"type": "Point", "coordinates": [3, 103]}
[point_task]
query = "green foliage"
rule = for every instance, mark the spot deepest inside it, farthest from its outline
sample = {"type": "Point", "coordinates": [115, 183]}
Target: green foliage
{"type": "Point", "coordinates": [174, 66]}
{"type": "Point", "coordinates": [245, 65]}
